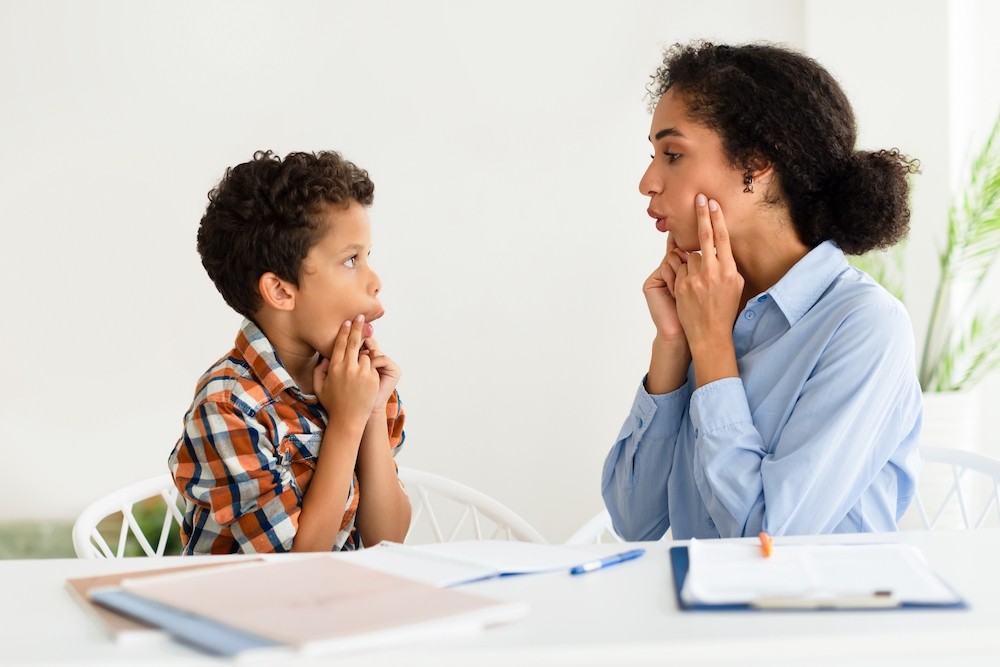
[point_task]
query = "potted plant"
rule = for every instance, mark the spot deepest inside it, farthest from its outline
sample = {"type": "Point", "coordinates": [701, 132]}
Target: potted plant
{"type": "Point", "coordinates": [962, 344]}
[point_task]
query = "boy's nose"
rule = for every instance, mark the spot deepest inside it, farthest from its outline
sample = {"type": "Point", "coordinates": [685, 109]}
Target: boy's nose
{"type": "Point", "coordinates": [375, 284]}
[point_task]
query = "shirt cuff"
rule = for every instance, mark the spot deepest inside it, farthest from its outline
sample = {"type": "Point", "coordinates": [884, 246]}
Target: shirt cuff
{"type": "Point", "coordinates": [719, 405]}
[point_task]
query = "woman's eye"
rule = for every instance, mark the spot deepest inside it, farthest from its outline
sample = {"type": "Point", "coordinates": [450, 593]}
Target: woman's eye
{"type": "Point", "coordinates": [672, 157]}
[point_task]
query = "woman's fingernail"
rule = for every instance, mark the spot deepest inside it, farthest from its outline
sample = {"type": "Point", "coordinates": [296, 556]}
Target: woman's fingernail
{"type": "Point", "coordinates": [347, 323]}
{"type": "Point", "coordinates": [360, 318]}
{"type": "Point", "coordinates": [713, 205]}
{"type": "Point", "coordinates": [700, 200]}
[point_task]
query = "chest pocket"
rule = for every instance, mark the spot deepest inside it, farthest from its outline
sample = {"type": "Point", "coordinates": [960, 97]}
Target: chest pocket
{"type": "Point", "coordinates": [297, 455]}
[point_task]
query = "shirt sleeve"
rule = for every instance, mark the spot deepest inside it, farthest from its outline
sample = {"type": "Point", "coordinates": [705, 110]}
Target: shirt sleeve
{"type": "Point", "coordinates": [839, 436]}
{"type": "Point", "coordinates": [226, 464]}
{"type": "Point", "coordinates": [395, 418]}
{"type": "Point", "coordinates": [634, 480]}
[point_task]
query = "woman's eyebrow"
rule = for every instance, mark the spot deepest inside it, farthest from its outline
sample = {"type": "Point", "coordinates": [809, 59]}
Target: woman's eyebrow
{"type": "Point", "coordinates": [668, 132]}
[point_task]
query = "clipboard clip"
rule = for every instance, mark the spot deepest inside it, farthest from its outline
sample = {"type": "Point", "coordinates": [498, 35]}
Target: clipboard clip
{"type": "Point", "coordinates": [875, 600]}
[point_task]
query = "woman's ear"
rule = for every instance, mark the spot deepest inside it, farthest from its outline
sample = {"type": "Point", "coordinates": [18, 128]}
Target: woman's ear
{"type": "Point", "coordinates": [275, 292]}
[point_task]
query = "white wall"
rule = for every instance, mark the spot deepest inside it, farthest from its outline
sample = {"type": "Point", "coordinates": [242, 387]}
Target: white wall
{"type": "Point", "coordinates": [505, 140]}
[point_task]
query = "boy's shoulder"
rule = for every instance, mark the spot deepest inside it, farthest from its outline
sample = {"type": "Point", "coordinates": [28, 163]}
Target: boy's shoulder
{"type": "Point", "coordinates": [231, 380]}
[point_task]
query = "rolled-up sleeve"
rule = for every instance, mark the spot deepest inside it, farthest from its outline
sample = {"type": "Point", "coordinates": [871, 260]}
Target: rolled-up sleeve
{"type": "Point", "coordinates": [226, 464]}
{"type": "Point", "coordinates": [634, 480]}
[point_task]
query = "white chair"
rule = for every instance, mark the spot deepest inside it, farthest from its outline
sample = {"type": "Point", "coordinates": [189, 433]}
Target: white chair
{"type": "Point", "coordinates": [597, 529]}
{"type": "Point", "coordinates": [444, 510]}
{"type": "Point", "coordinates": [957, 489]}
{"type": "Point", "coordinates": [89, 542]}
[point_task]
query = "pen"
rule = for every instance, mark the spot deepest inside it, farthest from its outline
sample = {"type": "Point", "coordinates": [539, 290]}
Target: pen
{"type": "Point", "coordinates": [608, 561]}
{"type": "Point", "coordinates": [765, 544]}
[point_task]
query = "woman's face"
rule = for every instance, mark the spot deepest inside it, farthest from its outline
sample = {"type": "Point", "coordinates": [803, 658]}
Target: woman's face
{"type": "Point", "coordinates": [688, 159]}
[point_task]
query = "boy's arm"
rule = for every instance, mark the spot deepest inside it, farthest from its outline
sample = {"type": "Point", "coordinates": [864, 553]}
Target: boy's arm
{"type": "Point", "coordinates": [347, 386]}
{"type": "Point", "coordinates": [384, 508]}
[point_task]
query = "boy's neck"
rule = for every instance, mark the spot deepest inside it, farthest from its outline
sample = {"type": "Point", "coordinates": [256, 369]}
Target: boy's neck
{"type": "Point", "coordinates": [297, 357]}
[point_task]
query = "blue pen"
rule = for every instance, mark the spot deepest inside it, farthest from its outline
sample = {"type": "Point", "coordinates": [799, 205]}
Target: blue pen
{"type": "Point", "coordinates": [607, 561]}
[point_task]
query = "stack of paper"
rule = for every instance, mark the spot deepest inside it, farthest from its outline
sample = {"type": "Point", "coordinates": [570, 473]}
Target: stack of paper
{"type": "Point", "coordinates": [464, 561]}
{"type": "Point", "coordinates": [735, 573]}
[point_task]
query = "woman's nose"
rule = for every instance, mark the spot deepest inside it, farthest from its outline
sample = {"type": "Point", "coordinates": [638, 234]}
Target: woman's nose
{"type": "Point", "coordinates": [649, 184]}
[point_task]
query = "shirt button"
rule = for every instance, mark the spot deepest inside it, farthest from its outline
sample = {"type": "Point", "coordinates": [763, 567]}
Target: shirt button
{"type": "Point", "coordinates": [711, 524]}
{"type": "Point", "coordinates": [763, 298]}
{"type": "Point", "coordinates": [751, 314]}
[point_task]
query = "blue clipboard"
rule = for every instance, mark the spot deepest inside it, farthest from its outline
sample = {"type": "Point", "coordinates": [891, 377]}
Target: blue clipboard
{"type": "Point", "coordinates": [679, 563]}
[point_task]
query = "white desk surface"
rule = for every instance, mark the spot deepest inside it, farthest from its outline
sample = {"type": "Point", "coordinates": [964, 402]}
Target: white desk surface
{"type": "Point", "coordinates": [622, 615]}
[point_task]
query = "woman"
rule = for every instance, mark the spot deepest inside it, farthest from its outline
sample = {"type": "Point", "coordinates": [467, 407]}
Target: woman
{"type": "Point", "coordinates": [782, 394]}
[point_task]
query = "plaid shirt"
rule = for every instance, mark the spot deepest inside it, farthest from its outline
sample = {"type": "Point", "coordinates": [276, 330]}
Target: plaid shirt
{"type": "Point", "coordinates": [248, 453]}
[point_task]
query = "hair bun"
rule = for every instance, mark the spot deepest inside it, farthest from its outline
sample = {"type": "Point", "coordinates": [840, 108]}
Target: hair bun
{"type": "Point", "coordinates": [868, 197]}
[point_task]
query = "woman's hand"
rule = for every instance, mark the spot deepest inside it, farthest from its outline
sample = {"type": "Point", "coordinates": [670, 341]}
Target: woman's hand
{"type": "Point", "coordinates": [347, 384]}
{"type": "Point", "coordinates": [659, 292]}
{"type": "Point", "coordinates": [708, 288]}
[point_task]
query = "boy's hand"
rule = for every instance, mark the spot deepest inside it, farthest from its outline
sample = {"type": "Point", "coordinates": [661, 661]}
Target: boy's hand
{"type": "Point", "coordinates": [347, 383]}
{"type": "Point", "coordinates": [388, 373]}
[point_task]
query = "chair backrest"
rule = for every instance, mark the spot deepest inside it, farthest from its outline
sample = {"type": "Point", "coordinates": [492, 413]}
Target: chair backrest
{"type": "Point", "coordinates": [444, 510]}
{"type": "Point", "coordinates": [957, 489]}
{"type": "Point", "coordinates": [599, 529]}
{"type": "Point", "coordinates": [139, 503]}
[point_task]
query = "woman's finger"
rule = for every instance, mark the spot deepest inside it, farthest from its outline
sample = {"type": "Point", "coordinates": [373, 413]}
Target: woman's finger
{"type": "Point", "coordinates": [723, 249]}
{"type": "Point", "coordinates": [706, 235]}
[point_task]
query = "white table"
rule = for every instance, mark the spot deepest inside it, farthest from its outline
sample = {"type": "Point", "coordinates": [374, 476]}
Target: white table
{"type": "Point", "coordinates": [622, 615]}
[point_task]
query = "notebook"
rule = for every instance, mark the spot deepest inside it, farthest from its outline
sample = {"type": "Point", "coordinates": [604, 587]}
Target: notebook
{"type": "Point", "coordinates": [733, 574]}
{"type": "Point", "coordinates": [308, 605]}
{"type": "Point", "coordinates": [465, 561]}
{"type": "Point", "coordinates": [122, 628]}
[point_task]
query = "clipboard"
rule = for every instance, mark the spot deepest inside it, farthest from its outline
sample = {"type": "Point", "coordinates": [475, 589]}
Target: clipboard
{"type": "Point", "coordinates": [680, 564]}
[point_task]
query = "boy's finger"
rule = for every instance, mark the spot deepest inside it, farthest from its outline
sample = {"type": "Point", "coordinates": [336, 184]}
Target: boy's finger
{"type": "Point", "coordinates": [356, 336]}
{"type": "Point", "coordinates": [723, 249]}
{"type": "Point", "coordinates": [340, 342]}
{"type": "Point", "coordinates": [706, 235]}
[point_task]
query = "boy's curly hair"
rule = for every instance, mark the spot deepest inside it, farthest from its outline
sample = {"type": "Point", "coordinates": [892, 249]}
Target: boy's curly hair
{"type": "Point", "coordinates": [774, 105]}
{"type": "Point", "coordinates": [262, 217]}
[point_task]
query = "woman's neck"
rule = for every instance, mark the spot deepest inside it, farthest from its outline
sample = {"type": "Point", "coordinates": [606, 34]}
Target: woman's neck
{"type": "Point", "coordinates": [770, 250]}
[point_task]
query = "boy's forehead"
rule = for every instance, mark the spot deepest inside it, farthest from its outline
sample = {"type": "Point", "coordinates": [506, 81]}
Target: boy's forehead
{"type": "Point", "coordinates": [345, 224]}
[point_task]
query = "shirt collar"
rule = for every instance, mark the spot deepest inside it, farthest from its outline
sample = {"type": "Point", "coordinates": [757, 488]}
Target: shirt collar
{"type": "Point", "coordinates": [803, 285]}
{"type": "Point", "coordinates": [263, 360]}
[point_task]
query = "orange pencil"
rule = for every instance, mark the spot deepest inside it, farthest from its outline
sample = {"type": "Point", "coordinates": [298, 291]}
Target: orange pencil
{"type": "Point", "coordinates": [765, 544]}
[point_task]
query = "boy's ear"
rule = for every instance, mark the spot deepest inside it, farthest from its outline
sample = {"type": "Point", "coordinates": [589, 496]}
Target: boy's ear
{"type": "Point", "coordinates": [276, 293]}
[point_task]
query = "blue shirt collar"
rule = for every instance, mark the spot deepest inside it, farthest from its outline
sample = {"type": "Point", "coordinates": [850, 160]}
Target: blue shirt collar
{"type": "Point", "coordinates": [803, 285]}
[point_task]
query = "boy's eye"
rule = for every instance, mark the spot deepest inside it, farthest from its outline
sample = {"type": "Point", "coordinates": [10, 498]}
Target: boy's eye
{"type": "Point", "coordinates": [349, 262]}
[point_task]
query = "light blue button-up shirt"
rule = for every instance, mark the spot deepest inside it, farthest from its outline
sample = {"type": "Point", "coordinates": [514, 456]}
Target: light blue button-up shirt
{"type": "Point", "coordinates": [818, 434]}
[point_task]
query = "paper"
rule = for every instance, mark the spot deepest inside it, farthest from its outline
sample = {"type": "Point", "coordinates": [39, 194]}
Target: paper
{"type": "Point", "coordinates": [317, 603]}
{"type": "Point", "coordinates": [735, 572]}
{"type": "Point", "coordinates": [460, 562]}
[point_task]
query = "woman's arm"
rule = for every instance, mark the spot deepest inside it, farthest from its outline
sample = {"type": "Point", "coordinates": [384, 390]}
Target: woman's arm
{"type": "Point", "coordinates": [847, 420]}
{"type": "Point", "coordinates": [634, 481]}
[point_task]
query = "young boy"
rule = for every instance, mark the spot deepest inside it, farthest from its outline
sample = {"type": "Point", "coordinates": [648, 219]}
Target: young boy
{"type": "Point", "coordinates": [286, 445]}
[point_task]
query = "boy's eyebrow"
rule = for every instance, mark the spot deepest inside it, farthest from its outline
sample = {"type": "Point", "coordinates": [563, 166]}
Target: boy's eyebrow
{"type": "Point", "coordinates": [668, 132]}
{"type": "Point", "coordinates": [357, 247]}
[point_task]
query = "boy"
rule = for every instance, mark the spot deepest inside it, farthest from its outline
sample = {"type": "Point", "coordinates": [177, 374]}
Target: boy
{"type": "Point", "coordinates": [286, 445]}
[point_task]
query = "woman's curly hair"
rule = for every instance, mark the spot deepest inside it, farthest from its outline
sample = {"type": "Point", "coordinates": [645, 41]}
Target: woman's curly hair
{"type": "Point", "coordinates": [262, 216]}
{"type": "Point", "coordinates": [772, 105]}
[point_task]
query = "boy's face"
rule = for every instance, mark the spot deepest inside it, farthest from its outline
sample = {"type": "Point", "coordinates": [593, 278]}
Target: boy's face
{"type": "Point", "coordinates": [337, 283]}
